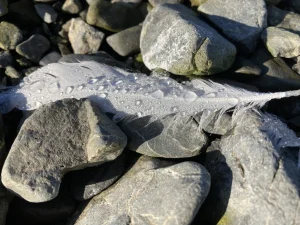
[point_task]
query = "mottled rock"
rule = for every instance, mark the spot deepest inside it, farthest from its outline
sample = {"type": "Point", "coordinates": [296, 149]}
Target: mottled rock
{"type": "Point", "coordinates": [241, 21]}
{"type": "Point", "coordinates": [52, 57]}
{"type": "Point", "coordinates": [46, 12]}
{"type": "Point", "coordinates": [3, 7]}
{"type": "Point", "coordinates": [281, 42]}
{"type": "Point", "coordinates": [103, 13]}
{"type": "Point", "coordinates": [6, 59]}
{"type": "Point", "coordinates": [126, 42]}
{"type": "Point", "coordinates": [72, 6]}
{"type": "Point", "coordinates": [65, 29]}
{"type": "Point", "coordinates": [91, 181]}
{"type": "Point", "coordinates": [173, 38]}
{"type": "Point", "coordinates": [255, 179]}
{"type": "Point", "coordinates": [84, 38]}
{"type": "Point", "coordinates": [34, 47]}
{"type": "Point", "coordinates": [156, 2]}
{"type": "Point", "coordinates": [57, 138]}
{"type": "Point", "coordinates": [10, 35]}
{"type": "Point", "coordinates": [151, 192]}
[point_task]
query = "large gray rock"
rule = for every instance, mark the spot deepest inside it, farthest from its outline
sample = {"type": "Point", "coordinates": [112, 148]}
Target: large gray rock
{"type": "Point", "coordinates": [242, 21]}
{"type": "Point", "coordinates": [172, 136]}
{"type": "Point", "coordinates": [52, 57]}
{"type": "Point", "coordinates": [46, 12]}
{"type": "Point", "coordinates": [173, 38]}
{"type": "Point", "coordinates": [10, 35]}
{"type": "Point", "coordinates": [151, 192]}
{"type": "Point", "coordinates": [83, 37]}
{"type": "Point", "coordinates": [57, 138]}
{"type": "Point", "coordinates": [3, 7]}
{"type": "Point", "coordinates": [281, 42]}
{"type": "Point", "coordinates": [255, 177]}
{"type": "Point", "coordinates": [126, 42]}
{"type": "Point", "coordinates": [284, 19]}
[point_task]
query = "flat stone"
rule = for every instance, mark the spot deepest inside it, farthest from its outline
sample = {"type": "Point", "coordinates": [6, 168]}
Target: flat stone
{"type": "Point", "coordinates": [102, 13]}
{"type": "Point", "coordinates": [281, 42]}
{"type": "Point", "coordinates": [6, 59]}
{"type": "Point", "coordinates": [34, 47]}
{"type": "Point", "coordinates": [84, 38]}
{"type": "Point", "coordinates": [156, 2]}
{"type": "Point", "coordinates": [173, 38]}
{"type": "Point", "coordinates": [89, 182]}
{"type": "Point", "coordinates": [10, 35]}
{"type": "Point", "coordinates": [165, 137]}
{"type": "Point", "coordinates": [255, 176]}
{"type": "Point", "coordinates": [46, 12]}
{"type": "Point", "coordinates": [242, 26]}
{"type": "Point", "coordinates": [52, 57]}
{"type": "Point", "coordinates": [151, 192]}
{"type": "Point", "coordinates": [126, 42]}
{"type": "Point", "coordinates": [3, 7]}
{"type": "Point", "coordinates": [72, 6]}
{"type": "Point", "coordinates": [59, 137]}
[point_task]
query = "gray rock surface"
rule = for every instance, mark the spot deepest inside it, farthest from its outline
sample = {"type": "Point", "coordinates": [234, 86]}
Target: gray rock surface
{"type": "Point", "coordinates": [46, 12]}
{"type": "Point", "coordinates": [242, 21]}
{"type": "Point", "coordinates": [3, 7]}
{"type": "Point", "coordinates": [34, 47]}
{"type": "Point", "coordinates": [173, 38]}
{"type": "Point", "coordinates": [83, 37]}
{"type": "Point", "coordinates": [91, 181]}
{"type": "Point", "coordinates": [156, 2]}
{"type": "Point", "coordinates": [10, 35]}
{"type": "Point", "coordinates": [72, 6]}
{"type": "Point", "coordinates": [281, 42]}
{"type": "Point", "coordinates": [151, 192]}
{"type": "Point", "coordinates": [51, 57]}
{"type": "Point", "coordinates": [6, 59]}
{"type": "Point", "coordinates": [255, 179]}
{"type": "Point", "coordinates": [126, 42]}
{"type": "Point", "coordinates": [172, 136]}
{"type": "Point", "coordinates": [57, 138]}
{"type": "Point", "coordinates": [103, 13]}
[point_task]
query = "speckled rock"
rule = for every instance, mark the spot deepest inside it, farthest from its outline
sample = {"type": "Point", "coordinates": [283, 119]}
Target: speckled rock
{"type": "Point", "coordinates": [151, 192]}
{"type": "Point", "coordinates": [52, 57]}
{"type": "Point", "coordinates": [10, 35]}
{"type": "Point", "coordinates": [173, 38]}
{"type": "Point", "coordinates": [3, 7]}
{"type": "Point", "coordinates": [66, 135]}
{"type": "Point", "coordinates": [6, 59]}
{"type": "Point", "coordinates": [72, 6]}
{"type": "Point", "coordinates": [34, 47]}
{"type": "Point", "coordinates": [156, 2]}
{"type": "Point", "coordinates": [46, 12]}
{"type": "Point", "coordinates": [126, 42]}
{"type": "Point", "coordinates": [83, 37]}
{"type": "Point", "coordinates": [281, 42]}
{"type": "Point", "coordinates": [242, 21]}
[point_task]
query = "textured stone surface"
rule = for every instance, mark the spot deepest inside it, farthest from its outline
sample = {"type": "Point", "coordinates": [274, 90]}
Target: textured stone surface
{"type": "Point", "coordinates": [91, 181]}
{"type": "Point", "coordinates": [126, 42]}
{"type": "Point", "coordinates": [3, 7]}
{"type": "Point", "coordinates": [173, 38]}
{"type": "Point", "coordinates": [156, 2]}
{"type": "Point", "coordinates": [242, 21]}
{"type": "Point", "coordinates": [284, 19]}
{"type": "Point", "coordinates": [46, 12]}
{"type": "Point", "coordinates": [103, 13]}
{"type": "Point", "coordinates": [281, 42]}
{"type": "Point", "coordinates": [34, 47]}
{"type": "Point", "coordinates": [59, 137]}
{"type": "Point", "coordinates": [84, 38]}
{"type": "Point", "coordinates": [52, 57]}
{"type": "Point", "coordinates": [151, 192]}
{"type": "Point", "coordinates": [10, 35]}
{"type": "Point", "coordinates": [254, 181]}
{"type": "Point", "coordinates": [6, 59]}
{"type": "Point", "coordinates": [165, 137]}
{"type": "Point", "coordinates": [72, 6]}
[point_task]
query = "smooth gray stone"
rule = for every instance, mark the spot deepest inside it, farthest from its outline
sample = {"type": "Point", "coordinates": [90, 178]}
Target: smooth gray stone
{"type": "Point", "coordinates": [255, 179]}
{"type": "Point", "coordinates": [166, 137]}
{"type": "Point", "coordinates": [284, 19]}
{"type": "Point", "coordinates": [126, 42]}
{"type": "Point", "coordinates": [34, 47]}
{"type": "Point", "coordinates": [173, 38]}
{"type": "Point", "coordinates": [3, 7]}
{"type": "Point", "coordinates": [46, 12]}
{"type": "Point", "coordinates": [6, 59]}
{"type": "Point", "coordinates": [72, 6]}
{"type": "Point", "coordinates": [83, 37]}
{"type": "Point", "coordinates": [242, 21]}
{"type": "Point", "coordinates": [153, 191]}
{"type": "Point", "coordinates": [10, 35]}
{"type": "Point", "coordinates": [156, 2]}
{"type": "Point", "coordinates": [115, 16]}
{"type": "Point", "coordinates": [281, 43]}
{"type": "Point", "coordinates": [91, 181]}
{"type": "Point", "coordinates": [52, 57]}
{"type": "Point", "coordinates": [59, 137]}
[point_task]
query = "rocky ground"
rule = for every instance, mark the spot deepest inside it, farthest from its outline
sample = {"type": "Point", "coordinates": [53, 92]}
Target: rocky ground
{"type": "Point", "coordinates": [68, 163]}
